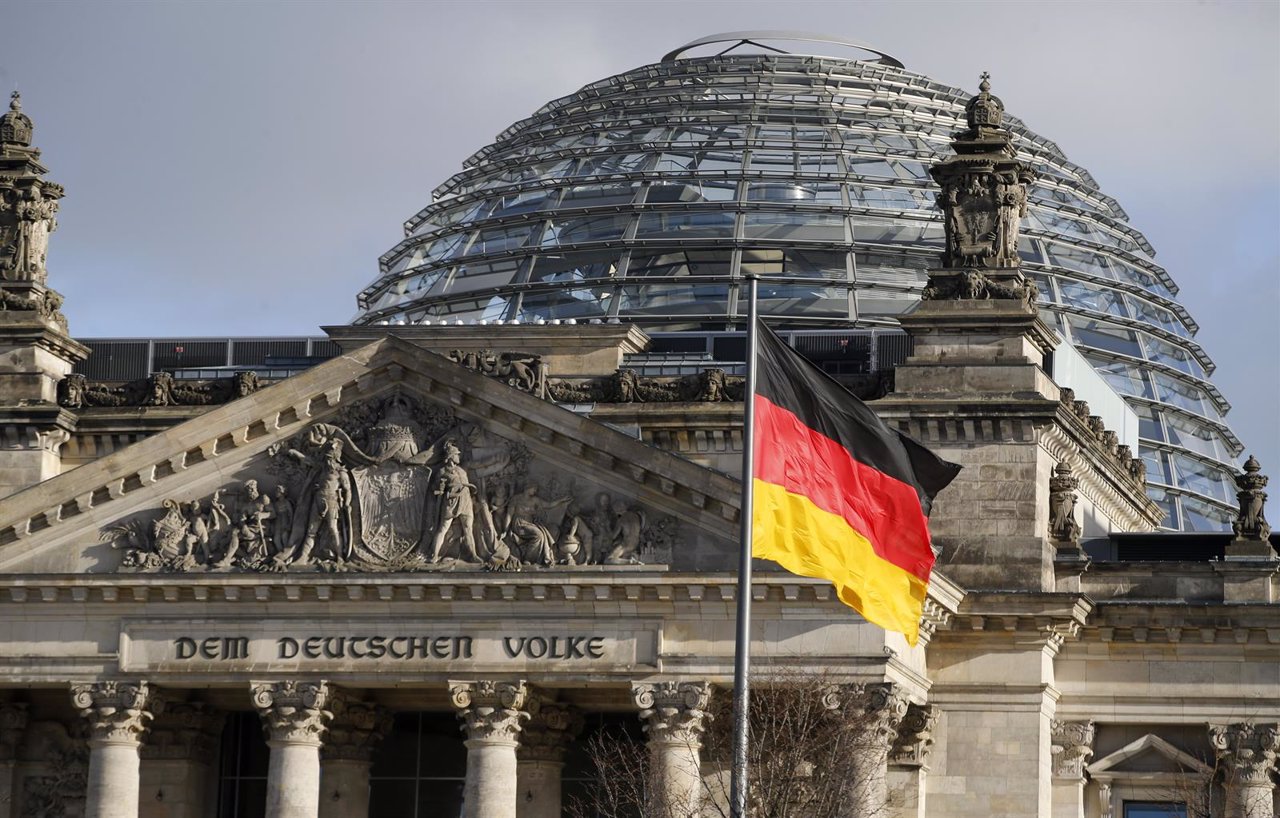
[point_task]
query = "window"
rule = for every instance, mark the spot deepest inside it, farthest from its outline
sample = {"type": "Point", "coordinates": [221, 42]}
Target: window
{"type": "Point", "coordinates": [419, 769]}
{"type": "Point", "coordinates": [242, 769]}
{"type": "Point", "coordinates": [1154, 809]}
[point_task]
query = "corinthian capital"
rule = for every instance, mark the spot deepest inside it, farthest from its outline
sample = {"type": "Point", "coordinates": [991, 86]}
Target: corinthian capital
{"type": "Point", "coordinates": [550, 730]}
{"type": "Point", "coordinates": [293, 712]}
{"type": "Point", "coordinates": [358, 727]}
{"type": "Point", "coordinates": [492, 711]}
{"type": "Point", "coordinates": [879, 707]}
{"type": "Point", "coordinates": [1247, 750]}
{"type": "Point", "coordinates": [1072, 748]}
{"type": "Point", "coordinates": [185, 730]}
{"type": "Point", "coordinates": [117, 712]}
{"type": "Point", "coordinates": [915, 736]}
{"type": "Point", "coordinates": [673, 712]}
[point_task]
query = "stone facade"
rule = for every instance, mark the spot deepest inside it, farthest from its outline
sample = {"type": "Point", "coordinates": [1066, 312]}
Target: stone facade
{"type": "Point", "coordinates": [447, 521]}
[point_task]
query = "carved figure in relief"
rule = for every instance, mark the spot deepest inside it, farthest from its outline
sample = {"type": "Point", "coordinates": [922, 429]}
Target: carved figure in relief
{"type": "Point", "coordinates": [626, 539]}
{"type": "Point", "coordinates": [35, 223]}
{"type": "Point", "coordinates": [570, 548]}
{"type": "Point", "coordinates": [323, 511]}
{"type": "Point", "coordinates": [455, 490]}
{"type": "Point", "coordinates": [533, 541]}
{"type": "Point", "coordinates": [170, 532]}
{"type": "Point", "coordinates": [251, 529]}
{"type": "Point", "coordinates": [283, 525]}
{"type": "Point", "coordinates": [198, 534]}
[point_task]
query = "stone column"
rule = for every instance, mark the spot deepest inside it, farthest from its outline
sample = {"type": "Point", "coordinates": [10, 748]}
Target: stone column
{"type": "Point", "coordinates": [118, 713]}
{"type": "Point", "coordinates": [178, 760]}
{"type": "Point", "coordinates": [540, 758]}
{"type": "Point", "coordinates": [493, 714]}
{"type": "Point", "coordinates": [1071, 748]}
{"type": "Point", "coordinates": [675, 715]}
{"type": "Point", "coordinates": [356, 731]}
{"type": "Point", "coordinates": [880, 709]}
{"type": "Point", "coordinates": [295, 717]}
{"type": "Point", "coordinates": [13, 724]}
{"type": "Point", "coordinates": [908, 762]}
{"type": "Point", "coordinates": [1248, 753]}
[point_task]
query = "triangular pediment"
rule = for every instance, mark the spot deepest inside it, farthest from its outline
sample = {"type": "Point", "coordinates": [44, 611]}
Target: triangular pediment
{"type": "Point", "coordinates": [1149, 755]}
{"type": "Point", "coordinates": [388, 458]}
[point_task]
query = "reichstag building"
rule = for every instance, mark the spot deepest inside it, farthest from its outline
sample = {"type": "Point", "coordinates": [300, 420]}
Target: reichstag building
{"type": "Point", "coordinates": [421, 565]}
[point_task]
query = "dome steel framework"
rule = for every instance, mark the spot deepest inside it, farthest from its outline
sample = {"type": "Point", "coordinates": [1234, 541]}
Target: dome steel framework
{"type": "Point", "coordinates": [647, 196]}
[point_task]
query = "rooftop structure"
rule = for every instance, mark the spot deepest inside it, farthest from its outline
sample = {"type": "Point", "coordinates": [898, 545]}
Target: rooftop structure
{"type": "Point", "coordinates": [647, 196]}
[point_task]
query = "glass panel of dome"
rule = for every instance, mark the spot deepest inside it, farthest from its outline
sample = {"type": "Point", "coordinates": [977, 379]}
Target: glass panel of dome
{"type": "Point", "coordinates": [479, 276]}
{"type": "Point", "coordinates": [1170, 355]}
{"type": "Point", "coordinates": [1167, 504]}
{"type": "Point", "coordinates": [698, 161]}
{"type": "Point", "coordinates": [612, 163]}
{"type": "Point", "coordinates": [1149, 313]}
{"type": "Point", "coordinates": [870, 230]}
{"type": "Point", "coordinates": [791, 163]}
{"type": "Point", "coordinates": [605, 194]}
{"type": "Point", "coordinates": [1101, 335]}
{"type": "Point", "coordinates": [1171, 390]}
{"type": "Point", "coordinates": [1059, 223]}
{"type": "Point", "coordinates": [579, 266]}
{"type": "Point", "coordinates": [501, 239]}
{"type": "Point", "coordinates": [1091, 297]}
{"type": "Point", "coordinates": [806, 191]}
{"type": "Point", "coordinates": [1199, 477]}
{"type": "Point", "coordinates": [1196, 436]}
{"type": "Point", "coordinates": [870, 168]}
{"type": "Point", "coordinates": [1198, 515]}
{"type": "Point", "coordinates": [773, 261]}
{"type": "Point", "coordinates": [584, 229]}
{"type": "Point", "coordinates": [1079, 260]}
{"type": "Point", "coordinates": [1125, 378]}
{"type": "Point", "coordinates": [911, 170]}
{"type": "Point", "coordinates": [794, 227]}
{"type": "Point", "coordinates": [798, 299]}
{"type": "Point", "coordinates": [1146, 280]}
{"type": "Point", "coordinates": [1148, 422]}
{"type": "Point", "coordinates": [679, 263]}
{"type": "Point", "coordinates": [1157, 466]}
{"type": "Point", "coordinates": [575, 303]}
{"type": "Point", "coordinates": [877, 303]}
{"type": "Point", "coordinates": [675, 299]}
{"type": "Point", "coordinates": [1028, 250]}
{"type": "Point", "coordinates": [692, 190]}
{"type": "Point", "coordinates": [675, 225]}
{"type": "Point", "coordinates": [897, 198]}
{"type": "Point", "coordinates": [524, 201]}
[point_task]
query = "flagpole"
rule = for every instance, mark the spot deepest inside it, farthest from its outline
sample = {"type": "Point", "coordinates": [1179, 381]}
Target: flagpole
{"type": "Point", "coordinates": [742, 646]}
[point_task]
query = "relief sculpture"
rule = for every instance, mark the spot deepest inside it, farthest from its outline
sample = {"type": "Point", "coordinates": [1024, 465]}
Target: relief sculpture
{"type": "Point", "coordinates": [393, 485]}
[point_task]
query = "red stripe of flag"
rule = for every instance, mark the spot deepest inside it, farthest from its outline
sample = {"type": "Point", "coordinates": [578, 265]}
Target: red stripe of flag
{"type": "Point", "coordinates": [804, 461]}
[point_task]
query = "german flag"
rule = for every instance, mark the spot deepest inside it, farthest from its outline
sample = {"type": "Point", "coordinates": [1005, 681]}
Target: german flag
{"type": "Point", "coordinates": [839, 495]}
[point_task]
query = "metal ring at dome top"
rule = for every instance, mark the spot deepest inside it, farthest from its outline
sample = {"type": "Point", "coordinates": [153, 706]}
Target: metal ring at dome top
{"type": "Point", "coordinates": [739, 37]}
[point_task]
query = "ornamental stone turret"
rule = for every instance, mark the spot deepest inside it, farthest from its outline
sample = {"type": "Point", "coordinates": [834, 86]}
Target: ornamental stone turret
{"type": "Point", "coordinates": [978, 390]}
{"type": "Point", "coordinates": [35, 350]}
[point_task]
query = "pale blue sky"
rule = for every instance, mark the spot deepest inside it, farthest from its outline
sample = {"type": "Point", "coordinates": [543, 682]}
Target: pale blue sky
{"type": "Point", "coordinates": [237, 168]}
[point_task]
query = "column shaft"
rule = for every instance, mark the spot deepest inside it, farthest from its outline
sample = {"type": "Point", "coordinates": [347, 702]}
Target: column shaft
{"type": "Point", "coordinates": [538, 791]}
{"type": "Point", "coordinates": [293, 780]}
{"type": "Point", "coordinates": [113, 780]}
{"type": "Point", "coordinates": [491, 779]}
{"type": "Point", "coordinates": [344, 788]}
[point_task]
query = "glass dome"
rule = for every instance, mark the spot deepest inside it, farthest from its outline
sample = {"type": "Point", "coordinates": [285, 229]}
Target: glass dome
{"type": "Point", "coordinates": [647, 196]}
